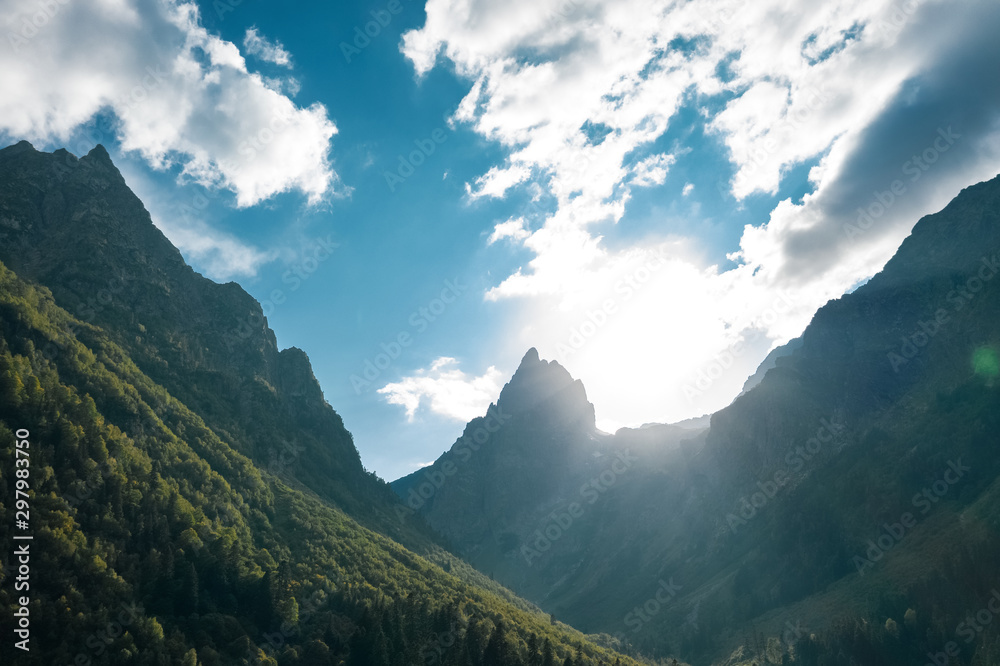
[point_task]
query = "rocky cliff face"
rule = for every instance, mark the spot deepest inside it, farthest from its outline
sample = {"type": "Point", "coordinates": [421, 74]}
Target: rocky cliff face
{"type": "Point", "coordinates": [74, 226]}
{"type": "Point", "coordinates": [527, 487]}
{"type": "Point", "coordinates": [761, 519]}
{"type": "Point", "coordinates": [212, 515]}
{"type": "Point", "coordinates": [508, 459]}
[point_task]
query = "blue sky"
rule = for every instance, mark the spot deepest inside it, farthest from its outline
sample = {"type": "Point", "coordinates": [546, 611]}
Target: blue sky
{"type": "Point", "coordinates": [655, 203]}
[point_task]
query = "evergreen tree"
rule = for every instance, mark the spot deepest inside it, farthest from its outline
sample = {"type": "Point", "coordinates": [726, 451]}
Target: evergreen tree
{"type": "Point", "coordinates": [497, 652]}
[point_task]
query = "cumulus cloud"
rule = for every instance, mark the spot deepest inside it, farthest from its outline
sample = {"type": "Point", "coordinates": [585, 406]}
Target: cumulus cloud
{"type": "Point", "coordinates": [446, 390]}
{"type": "Point", "coordinates": [183, 97]}
{"type": "Point", "coordinates": [513, 229]}
{"type": "Point", "coordinates": [652, 170]}
{"type": "Point", "coordinates": [579, 94]}
{"type": "Point", "coordinates": [258, 46]}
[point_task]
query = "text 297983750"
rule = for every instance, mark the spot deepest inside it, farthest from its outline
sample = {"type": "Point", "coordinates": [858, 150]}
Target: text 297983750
{"type": "Point", "coordinates": [22, 538]}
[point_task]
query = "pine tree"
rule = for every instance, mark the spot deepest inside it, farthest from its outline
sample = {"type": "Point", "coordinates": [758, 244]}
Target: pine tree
{"type": "Point", "coordinates": [534, 656]}
{"type": "Point", "coordinates": [498, 652]}
{"type": "Point", "coordinates": [548, 658]}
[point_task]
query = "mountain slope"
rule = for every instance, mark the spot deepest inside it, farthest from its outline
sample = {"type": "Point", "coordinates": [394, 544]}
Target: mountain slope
{"type": "Point", "coordinates": [770, 361]}
{"type": "Point", "coordinates": [528, 487]}
{"type": "Point", "coordinates": [74, 226]}
{"type": "Point", "coordinates": [766, 520]}
{"type": "Point", "coordinates": [159, 535]}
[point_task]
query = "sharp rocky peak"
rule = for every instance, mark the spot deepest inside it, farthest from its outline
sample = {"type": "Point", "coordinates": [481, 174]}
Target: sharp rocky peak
{"type": "Point", "coordinates": [538, 383]}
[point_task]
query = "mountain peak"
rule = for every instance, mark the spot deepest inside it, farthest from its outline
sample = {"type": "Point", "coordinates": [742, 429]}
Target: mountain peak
{"type": "Point", "coordinates": [537, 382]}
{"type": "Point", "coordinates": [19, 147]}
{"type": "Point", "coordinates": [99, 154]}
{"type": "Point", "coordinates": [530, 358]}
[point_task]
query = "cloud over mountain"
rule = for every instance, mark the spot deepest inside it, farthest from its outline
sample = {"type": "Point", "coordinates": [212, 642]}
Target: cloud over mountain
{"type": "Point", "coordinates": [181, 97]}
{"type": "Point", "coordinates": [582, 96]}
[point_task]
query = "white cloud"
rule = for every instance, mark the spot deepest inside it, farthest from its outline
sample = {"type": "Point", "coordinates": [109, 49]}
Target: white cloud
{"type": "Point", "coordinates": [779, 84]}
{"type": "Point", "coordinates": [446, 390]}
{"type": "Point", "coordinates": [184, 217]}
{"type": "Point", "coordinates": [652, 170]}
{"type": "Point", "coordinates": [513, 229]}
{"type": "Point", "coordinates": [222, 256]}
{"type": "Point", "coordinates": [183, 97]}
{"type": "Point", "coordinates": [258, 46]}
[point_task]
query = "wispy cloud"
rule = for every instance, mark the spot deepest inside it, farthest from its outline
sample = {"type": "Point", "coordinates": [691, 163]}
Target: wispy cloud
{"type": "Point", "coordinates": [222, 256]}
{"type": "Point", "coordinates": [258, 46]}
{"type": "Point", "coordinates": [513, 229]}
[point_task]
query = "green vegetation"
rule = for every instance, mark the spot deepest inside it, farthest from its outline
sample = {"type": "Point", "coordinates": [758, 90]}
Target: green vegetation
{"type": "Point", "coordinates": [157, 543]}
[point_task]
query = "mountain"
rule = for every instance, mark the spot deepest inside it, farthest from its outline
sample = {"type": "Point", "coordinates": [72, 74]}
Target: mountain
{"type": "Point", "coordinates": [193, 498]}
{"type": "Point", "coordinates": [74, 226]}
{"type": "Point", "coordinates": [770, 361]}
{"type": "Point", "coordinates": [528, 489]}
{"type": "Point", "coordinates": [844, 510]}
